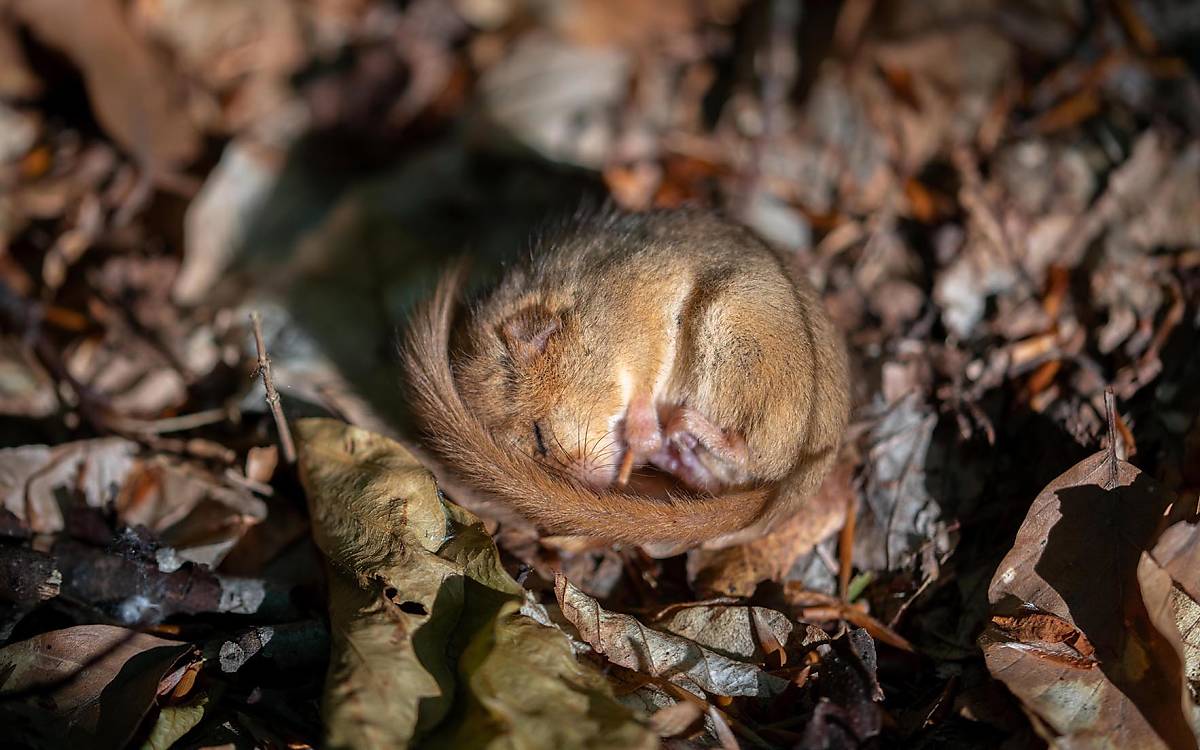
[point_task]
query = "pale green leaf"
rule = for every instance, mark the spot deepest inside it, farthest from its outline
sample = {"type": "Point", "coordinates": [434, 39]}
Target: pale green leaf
{"type": "Point", "coordinates": [429, 645]}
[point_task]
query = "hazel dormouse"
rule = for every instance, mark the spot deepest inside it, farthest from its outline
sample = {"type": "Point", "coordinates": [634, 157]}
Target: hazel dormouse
{"type": "Point", "coordinates": [657, 378]}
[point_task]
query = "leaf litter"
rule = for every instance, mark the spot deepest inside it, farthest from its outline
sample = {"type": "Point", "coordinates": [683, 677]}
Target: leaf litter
{"type": "Point", "coordinates": [996, 200]}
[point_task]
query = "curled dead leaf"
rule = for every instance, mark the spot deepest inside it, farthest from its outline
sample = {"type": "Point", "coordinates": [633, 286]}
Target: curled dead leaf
{"type": "Point", "coordinates": [739, 632]}
{"type": "Point", "coordinates": [627, 642]}
{"type": "Point", "coordinates": [135, 96]}
{"type": "Point", "coordinates": [737, 570]}
{"type": "Point", "coordinates": [84, 686]}
{"type": "Point", "coordinates": [432, 641]}
{"type": "Point", "coordinates": [1078, 580]}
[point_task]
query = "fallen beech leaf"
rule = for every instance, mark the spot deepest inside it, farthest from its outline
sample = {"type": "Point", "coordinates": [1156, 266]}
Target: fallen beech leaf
{"type": "Point", "coordinates": [847, 713]}
{"type": "Point", "coordinates": [187, 507]}
{"type": "Point", "coordinates": [1079, 556]}
{"type": "Point", "coordinates": [734, 631]}
{"type": "Point", "coordinates": [1178, 552]}
{"type": "Point", "coordinates": [524, 676]}
{"type": "Point", "coordinates": [899, 514]}
{"type": "Point", "coordinates": [192, 510]}
{"type": "Point", "coordinates": [629, 643]}
{"type": "Point", "coordinates": [429, 640]}
{"type": "Point", "coordinates": [261, 463]}
{"type": "Point", "coordinates": [555, 98]}
{"type": "Point", "coordinates": [219, 219]}
{"type": "Point", "coordinates": [737, 571]}
{"type": "Point", "coordinates": [1032, 626]}
{"type": "Point", "coordinates": [88, 685]}
{"type": "Point", "coordinates": [1176, 556]}
{"type": "Point", "coordinates": [676, 719]}
{"type": "Point", "coordinates": [173, 722]}
{"type": "Point", "coordinates": [34, 477]}
{"type": "Point", "coordinates": [136, 98]}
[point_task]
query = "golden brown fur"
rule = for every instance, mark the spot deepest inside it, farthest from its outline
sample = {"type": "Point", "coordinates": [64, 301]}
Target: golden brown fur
{"type": "Point", "coordinates": [676, 310]}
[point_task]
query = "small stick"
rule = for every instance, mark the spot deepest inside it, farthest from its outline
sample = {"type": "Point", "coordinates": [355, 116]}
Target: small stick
{"type": "Point", "coordinates": [626, 468]}
{"type": "Point", "coordinates": [846, 547]}
{"type": "Point", "coordinates": [264, 369]}
{"type": "Point", "coordinates": [1110, 412]}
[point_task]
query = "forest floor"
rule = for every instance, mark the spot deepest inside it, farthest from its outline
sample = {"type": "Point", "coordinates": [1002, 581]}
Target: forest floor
{"type": "Point", "coordinates": [999, 201]}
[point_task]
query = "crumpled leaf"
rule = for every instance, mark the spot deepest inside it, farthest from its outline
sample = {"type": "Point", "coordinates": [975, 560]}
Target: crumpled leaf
{"type": "Point", "coordinates": [198, 514]}
{"type": "Point", "coordinates": [136, 98]}
{"type": "Point", "coordinates": [848, 711]}
{"type": "Point", "coordinates": [737, 570]}
{"type": "Point", "coordinates": [173, 722]}
{"type": "Point", "coordinates": [218, 219]}
{"type": "Point", "coordinates": [1178, 552]}
{"type": "Point", "coordinates": [33, 478]}
{"type": "Point", "coordinates": [88, 685]}
{"type": "Point", "coordinates": [626, 642]}
{"type": "Point", "coordinates": [738, 632]}
{"type": "Point", "coordinates": [899, 514]}
{"type": "Point", "coordinates": [519, 673]}
{"type": "Point", "coordinates": [426, 633]}
{"type": "Point", "coordinates": [1080, 557]}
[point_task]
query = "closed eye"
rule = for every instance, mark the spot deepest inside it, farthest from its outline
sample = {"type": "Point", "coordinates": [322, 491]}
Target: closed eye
{"type": "Point", "coordinates": [537, 435]}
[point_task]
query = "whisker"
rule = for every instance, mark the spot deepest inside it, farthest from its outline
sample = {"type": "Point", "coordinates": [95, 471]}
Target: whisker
{"type": "Point", "coordinates": [610, 444]}
{"type": "Point", "coordinates": [561, 447]}
{"type": "Point", "coordinates": [597, 443]}
{"type": "Point", "coordinates": [588, 427]}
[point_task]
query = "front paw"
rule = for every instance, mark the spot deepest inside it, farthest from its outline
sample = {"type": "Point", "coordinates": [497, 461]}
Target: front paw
{"type": "Point", "coordinates": [708, 457]}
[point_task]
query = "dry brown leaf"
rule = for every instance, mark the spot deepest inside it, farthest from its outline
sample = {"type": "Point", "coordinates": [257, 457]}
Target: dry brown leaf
{"type": "Point", "coordinates": [555, 98]}
{"type": "Point", "coordinates": [88, 685]}
{"type": "Point", "coordinates": [899, 516]}
{"type": "Point", "coordinates": [737, 571]}
{"type": "Point", "coordinates": [134, 95]}
{"type": "Point", "coordinates": [1178, 552]}
{"type": "Point", "coordinates": [17, 80]}
{"type": "Point", "coordinates": [33, 478]}
{"type": "Point", "coordinates": [739, 632]}
{"type": "Point", "coordinates": [261, 463]}
{"type": "Point", "coordinates": [629, 643]}
{"type": "Point", "coordinates": [1079, 556]}
{"type": "Point", "coordinates": [621, 23]}
{"type": "Point", "coordinates": [676, 719]}
{"type": "Point", "coordinates": [187, 507]}
{"type": "Point", "coordinates": [1033, 625]}
{"type": "Point", "coordinates": [1176, 557]}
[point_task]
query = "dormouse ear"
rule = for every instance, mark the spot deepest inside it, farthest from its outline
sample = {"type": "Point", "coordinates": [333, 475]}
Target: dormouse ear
{"type": "Point", "coordinates": [527, 331]}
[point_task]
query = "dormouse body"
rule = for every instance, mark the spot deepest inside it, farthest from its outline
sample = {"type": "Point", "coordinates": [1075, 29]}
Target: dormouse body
{"type": "Point", "coordinates": [671, 342]}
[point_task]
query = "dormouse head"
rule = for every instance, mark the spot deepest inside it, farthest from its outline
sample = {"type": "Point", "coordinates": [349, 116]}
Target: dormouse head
{"type": "Point", "coordinates": [542, 387]}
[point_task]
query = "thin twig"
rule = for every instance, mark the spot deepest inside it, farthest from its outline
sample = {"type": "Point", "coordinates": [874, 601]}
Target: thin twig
{"type": "Point", "coordinates": [1110, 411]}
{"type": "Point", "coordinates": [264, 370]}
{"type": "Point", "coordinates": [180, 423]}
{"type": "Point", "coordinates": [846, 547]}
